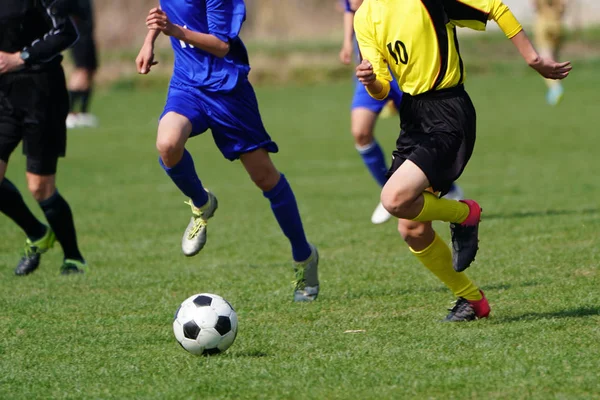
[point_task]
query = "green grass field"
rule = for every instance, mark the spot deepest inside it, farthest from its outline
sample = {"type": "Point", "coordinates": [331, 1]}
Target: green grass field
{"type": "Point", "coordinates": [108, 334]}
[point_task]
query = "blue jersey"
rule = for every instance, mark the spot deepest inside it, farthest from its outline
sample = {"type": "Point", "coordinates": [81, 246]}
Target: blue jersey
{"type": "Point", "coordinates": [198, 68]}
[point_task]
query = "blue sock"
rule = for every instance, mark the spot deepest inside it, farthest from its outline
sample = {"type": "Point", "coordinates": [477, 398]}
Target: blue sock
{"type": "Point", "coordinates": [285, 208]}
{"type": "Point", "coordinates": [374, 159]}
{"type": "Point", "coordinates": [184, 176]}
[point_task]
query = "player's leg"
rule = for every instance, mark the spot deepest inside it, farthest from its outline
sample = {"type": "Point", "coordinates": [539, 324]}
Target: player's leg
{"type": "Point", "coordinates": [43, 143]}
{"type": "Point", "coordinates": [238, 131]}
{"type": "Point", "coordinates": [39, 237]}
{"type": "Point", "coordinates": [278, 191]}
{"type": "Point", "coordinates": [174, 130]}
{"type": "Point", "coordinates": [41, 181]}
{"type": "Point", "coordinates": [363, 117]}
{"type": "Point", "coordinates": [436, 256]}
{"type": "Point", "coordinates": [548, 36]}
{"type": "Point", "coordinates": [85, 59]}
{"type": "Point", "coordinates": [427, 157]}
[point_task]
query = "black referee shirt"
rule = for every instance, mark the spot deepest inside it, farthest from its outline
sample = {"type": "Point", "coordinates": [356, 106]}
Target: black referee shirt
{"type": "Point", "coordinates": [41, 28]}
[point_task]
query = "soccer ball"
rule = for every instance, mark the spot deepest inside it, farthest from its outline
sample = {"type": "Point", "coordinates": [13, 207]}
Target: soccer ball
{"type": "Point", "coordinates": [205, 324]}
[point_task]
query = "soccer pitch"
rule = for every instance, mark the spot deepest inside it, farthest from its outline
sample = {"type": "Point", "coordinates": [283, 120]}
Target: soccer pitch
{"type": "Point", "coordinates": [108, 334]}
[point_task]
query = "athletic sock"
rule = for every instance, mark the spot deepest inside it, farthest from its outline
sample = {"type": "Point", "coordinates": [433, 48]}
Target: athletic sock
{"type": "Point", "coordinates": [75, 97]}
{"type": "Point", "coordinates": [438, 259]}
{"type": "Point", "coordinates": [86, 95]}
{"type": "Point", "coordinates": [183, 174]}
{"type": "Point", "coordinates": [59, 216]}
{"type": "Point", "coordinates": [436, 209]}
{"type": "Point", "coordinates": [285, 208]}
{"type": "Point", "coordinates": [12, 204]}
{"type": "Point", "coordinates": [373, 157]}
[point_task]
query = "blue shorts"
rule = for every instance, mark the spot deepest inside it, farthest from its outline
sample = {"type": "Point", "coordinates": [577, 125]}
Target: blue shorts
{"type": "Point", "coordinates": [362, 99]}
{"type": "Point", "coordinates": [233, 117]}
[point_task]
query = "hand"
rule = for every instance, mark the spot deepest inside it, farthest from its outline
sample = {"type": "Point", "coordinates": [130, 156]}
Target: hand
{"type": "Point", "coordinates": [551, 69]}
{"type": "Point", "coordinates": [157, 19]}
{"type": "Point", "coordinates": [364, 73]}
{"type": "Point", "coordinates": [10, 62]}
{"type": "Point", "coordinates": [346, 54]}
{"type": "Point", "coordinates": [145, 59]}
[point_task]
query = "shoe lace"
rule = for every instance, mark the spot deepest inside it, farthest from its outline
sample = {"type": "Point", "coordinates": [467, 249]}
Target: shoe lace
{"type": "Point", "coordinates": [30, 249]}
{"type": "Point", "coordinates": [462, 308]}
{"type": "Point", "coordinates": [299, 283]}
{"type": "Point", "coordinates": [199, 221]}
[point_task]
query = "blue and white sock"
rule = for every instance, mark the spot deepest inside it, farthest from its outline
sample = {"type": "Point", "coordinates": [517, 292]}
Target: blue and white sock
{"type": "Point", "coordinates": [183, 174]}
{"type": "Point", "coordinates": [373, 157]}
{"type": "Point", "coordinates": [285, 208]}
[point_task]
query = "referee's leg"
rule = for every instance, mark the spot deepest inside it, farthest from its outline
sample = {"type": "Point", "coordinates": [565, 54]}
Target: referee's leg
{"type": "Point", "coordinates": [41, 180]}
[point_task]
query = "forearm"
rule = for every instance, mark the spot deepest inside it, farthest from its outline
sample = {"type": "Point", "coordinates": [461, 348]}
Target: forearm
{"type": "Point", "coordinates": [348, 28]}
{"type": "Point", "coordinates": [523, 44]}
{"type": "Point", "coordinates": [151, 37]}
{"type": "Point", "coordinates": [378, 89]}
{"type": "Point", "coordinates": [203, 41]}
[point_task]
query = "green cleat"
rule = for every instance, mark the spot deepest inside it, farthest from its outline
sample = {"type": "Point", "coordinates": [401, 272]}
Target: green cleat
{"type": "Point", "coordinates": [306, 285]}
{"type": "Point", "coordinates": [33, 251]}
{"type": "Point", "coordinates": [73, 267]}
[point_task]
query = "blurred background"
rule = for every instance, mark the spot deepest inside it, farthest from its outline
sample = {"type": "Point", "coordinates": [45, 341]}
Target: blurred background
{"type": "Point", "coordinates": [287, 37]}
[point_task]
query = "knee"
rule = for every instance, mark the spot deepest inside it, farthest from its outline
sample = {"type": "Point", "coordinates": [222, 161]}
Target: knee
{"type": "Point", "coordinates": [396, 201]}
{"type": "Point", "coordinates": [41, 187]}
{"type": "Point", "coordinates": [362, 137]}
{"type": "Point", "coordinates": [266, 179]}
{"type": "Point", "coordinates": [169, 150]}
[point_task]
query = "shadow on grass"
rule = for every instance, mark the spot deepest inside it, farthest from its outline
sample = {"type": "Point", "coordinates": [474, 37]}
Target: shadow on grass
{"type": "Point", "coordinates": [572, 313]}
{"type": "Point", "coordinates": [249, 354]}
{"type": "Point", "coordinates": [541, 213]}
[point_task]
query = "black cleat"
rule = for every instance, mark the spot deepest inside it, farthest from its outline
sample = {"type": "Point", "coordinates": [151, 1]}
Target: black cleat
{"type": "Point", "coordinates": [465, 238]}
{"type": "Point", "coordinates": [33, 251]}
{"type": "Point", "coordinates": [28, 263]}
{"type": "Point", "coordinates": [467, 310]}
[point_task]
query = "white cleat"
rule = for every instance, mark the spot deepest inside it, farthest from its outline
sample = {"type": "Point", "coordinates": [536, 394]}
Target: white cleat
{"type": "Point", "coordinates": [194, 237]}
{"type": "Point", "coordinates": [306, 285]}
{"type": "Point", "coordinates": [72, 121]}
{"type": "Point", "coordinates": [87, 120]}
{"type": "Point", "coordinates": [380, 215]}
{"type": "Point", "coordinates": [455, 193]}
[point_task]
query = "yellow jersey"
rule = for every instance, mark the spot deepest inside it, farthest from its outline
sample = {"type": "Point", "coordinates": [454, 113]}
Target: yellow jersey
{"type": "Point", "coordinates": [416, 39]}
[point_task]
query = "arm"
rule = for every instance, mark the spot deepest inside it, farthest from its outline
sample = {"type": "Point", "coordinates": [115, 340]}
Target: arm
{"type": "Point", "coordinates": [145, 58]}
{"type": "Point", "coordinates": [62, 35]}
{"type": "Point", "coordinates": [346, 52]}
{"type": "Point", "coordinates": [505, 19]}
{"type": "Point", "coordinates": [475, 13]}
{"type": "Point", "coordinates": [373, 71]}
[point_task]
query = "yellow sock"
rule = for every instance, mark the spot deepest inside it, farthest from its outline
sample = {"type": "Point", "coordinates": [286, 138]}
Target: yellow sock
{"type": "Point", "coordinates": [436, 209]}
{"type": "Point", "coordinates": [438, 259]}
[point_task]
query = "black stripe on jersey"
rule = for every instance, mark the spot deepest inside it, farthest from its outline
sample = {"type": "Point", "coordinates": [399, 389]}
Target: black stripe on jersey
{"type": "Point", "coordinates": [439, 19]}
{"type": "Point", "coordinates": [460, 11]}
{"type": "Point", "coordinates": [460, 60]}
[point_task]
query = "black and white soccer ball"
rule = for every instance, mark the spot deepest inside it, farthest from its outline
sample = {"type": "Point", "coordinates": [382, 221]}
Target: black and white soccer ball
{"type": "Point", "coordinates": [205, 324]}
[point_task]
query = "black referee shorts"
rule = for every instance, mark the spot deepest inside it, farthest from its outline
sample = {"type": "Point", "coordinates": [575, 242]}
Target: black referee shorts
{"type": "Point", "coordinates": [84, 51]}
{"type": "Point", "coordinates": [33, 109]}
{"type": "Point", "coordinates": [437, 134]}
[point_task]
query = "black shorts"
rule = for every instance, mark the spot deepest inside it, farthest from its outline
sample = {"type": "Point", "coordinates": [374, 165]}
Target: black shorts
{"type": "Point", "coordinates": [437, 134]}
{"type": "Point", "coordinates": [33, 109]}
{"type": "Point", "coordinates": [84, 51]}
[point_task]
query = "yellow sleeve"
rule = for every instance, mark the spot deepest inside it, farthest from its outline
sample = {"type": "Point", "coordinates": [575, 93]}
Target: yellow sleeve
{"type": "Point", "coordinates": [505, 19]}
{"type": "Point", "coordinates": [369, 50]}
{"type": "Point", "coordinates": [474, 14]}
